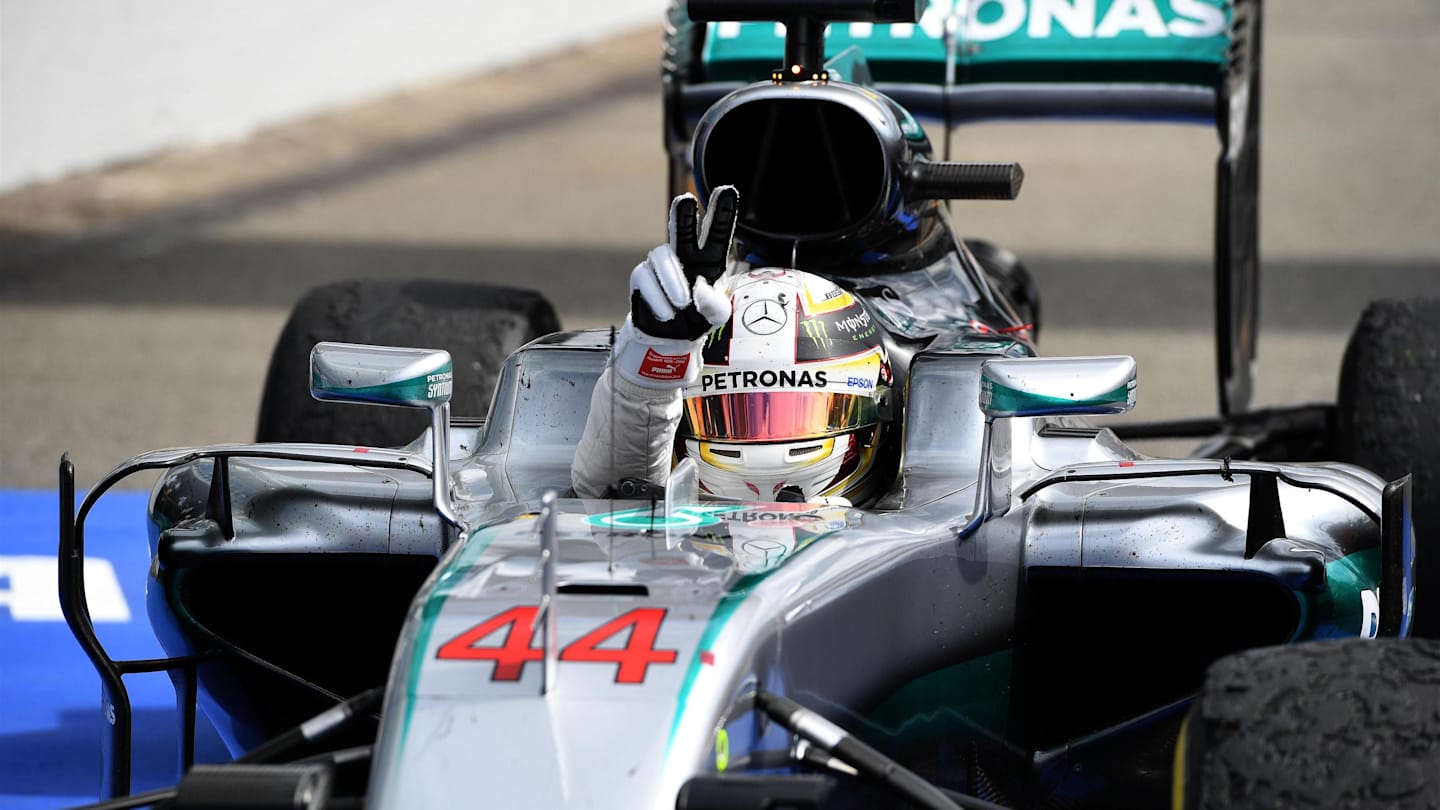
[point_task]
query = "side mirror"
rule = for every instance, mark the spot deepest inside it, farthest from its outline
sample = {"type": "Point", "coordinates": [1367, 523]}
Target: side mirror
{"type": "Point", "coordinates": [1045, 386]}
{"type": "Point", "coordinates": [388, 375]}
{"type": "Point", "coordinates": [380, 375]}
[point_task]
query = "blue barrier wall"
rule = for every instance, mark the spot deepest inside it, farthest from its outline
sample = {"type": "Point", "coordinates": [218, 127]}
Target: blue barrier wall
{"type": "Point", "coordinates": [50, 717]}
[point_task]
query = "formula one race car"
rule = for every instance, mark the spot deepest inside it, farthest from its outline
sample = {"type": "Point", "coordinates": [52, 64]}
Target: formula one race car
{"type": "Point", "coordinates": [1024, 618]}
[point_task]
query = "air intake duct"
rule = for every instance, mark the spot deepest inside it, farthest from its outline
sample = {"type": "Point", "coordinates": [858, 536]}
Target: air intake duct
{"type": "Point", "coordinates": [834, 163]}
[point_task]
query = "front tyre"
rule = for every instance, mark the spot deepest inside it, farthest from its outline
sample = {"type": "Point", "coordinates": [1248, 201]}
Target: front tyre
{"type": "Point", "coordinates": [1337, 724]}
{"type": "Point", "coordinates": [479, 325]}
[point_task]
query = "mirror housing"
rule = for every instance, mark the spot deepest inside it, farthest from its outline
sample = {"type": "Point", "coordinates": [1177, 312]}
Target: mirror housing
{"type": "Point", "coordinates": [1048, 386]}
{"type": "Point", "coordinates": [399, 377]}
{"type": "Point", "coordinates": [380, 375]}
{"type": "Point", "coordinates": [1045, 386]}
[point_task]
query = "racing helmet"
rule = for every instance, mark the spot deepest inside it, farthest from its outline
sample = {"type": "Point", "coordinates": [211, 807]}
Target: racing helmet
{"type": "Point", "coordinates": [790, 396]}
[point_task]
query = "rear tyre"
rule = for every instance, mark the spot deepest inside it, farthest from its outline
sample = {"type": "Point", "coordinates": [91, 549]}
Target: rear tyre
{"type": "Point", "coordinates": [1388, 421]}
{"type": "Point", "coordinates": [1339, 724]}
{"type": "Point", "coordinates": [479, 325]}
{"type": "Point", "coordinates": [1012, 278]}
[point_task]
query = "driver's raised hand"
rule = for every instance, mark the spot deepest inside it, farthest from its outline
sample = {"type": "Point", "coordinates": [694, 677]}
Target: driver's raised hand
{"type": "Point", "coordinates": [670, 292]}
{"type": "Point", "coordinates": [673, 303]}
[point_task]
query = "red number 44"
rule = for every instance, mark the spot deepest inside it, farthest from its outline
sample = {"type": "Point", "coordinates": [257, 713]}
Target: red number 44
{"type": "Point", "coordinates": [633, 659]}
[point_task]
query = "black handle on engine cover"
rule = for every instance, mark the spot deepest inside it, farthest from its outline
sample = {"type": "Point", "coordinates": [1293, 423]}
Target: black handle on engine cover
{"type": "Point", "coordinates": [926, 180]}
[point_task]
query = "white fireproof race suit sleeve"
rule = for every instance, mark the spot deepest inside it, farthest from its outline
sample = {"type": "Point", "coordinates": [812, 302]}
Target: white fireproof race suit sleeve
{"type": "Point", "coordinates": [636, 405]}
{"type": "Point", "coordinates": [629, 434]}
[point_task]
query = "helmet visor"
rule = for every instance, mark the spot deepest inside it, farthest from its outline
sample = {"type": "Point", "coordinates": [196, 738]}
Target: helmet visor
{"type": "Point", "coordinates": [775, 415]}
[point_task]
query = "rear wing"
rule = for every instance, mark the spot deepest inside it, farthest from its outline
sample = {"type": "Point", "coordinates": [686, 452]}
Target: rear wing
{"type": "Point", "coordinates": [965, 61]}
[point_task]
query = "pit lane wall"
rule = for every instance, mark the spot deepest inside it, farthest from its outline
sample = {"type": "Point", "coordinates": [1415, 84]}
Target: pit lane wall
{"type": "Point", "coordinates": [84, 84]}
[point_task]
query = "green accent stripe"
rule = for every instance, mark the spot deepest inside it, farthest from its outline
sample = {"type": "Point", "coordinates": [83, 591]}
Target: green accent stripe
{"type": "Point", "coordinates": [469, 551]}
{"type": "Point", "coordinates": [724, 609]}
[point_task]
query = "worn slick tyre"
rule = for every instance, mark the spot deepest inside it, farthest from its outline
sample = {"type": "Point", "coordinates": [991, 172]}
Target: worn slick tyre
{"type": "Point", "coordinates": [1012, 278]}
{"type": "Point", "coordinates": [478, 324]}
{"type": "Point", "coordinates": [1388, 421]}
{"type": "Point", "coordinates": [1351, 724]}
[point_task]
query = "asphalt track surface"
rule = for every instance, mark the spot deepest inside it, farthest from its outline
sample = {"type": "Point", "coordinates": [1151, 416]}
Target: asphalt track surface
{"type": "Point", "coordinates": [158, 334]}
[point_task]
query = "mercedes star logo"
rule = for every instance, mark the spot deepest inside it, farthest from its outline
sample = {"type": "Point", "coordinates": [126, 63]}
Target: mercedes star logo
{"type": "Point", "coordinates": [764, 317]}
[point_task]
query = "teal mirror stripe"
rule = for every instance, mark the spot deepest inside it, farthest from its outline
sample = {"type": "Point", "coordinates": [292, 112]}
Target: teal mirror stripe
{"type": "Point", "coordinates": [433, 386]}
{"type": "Point", "coordinates": [1010, 400]}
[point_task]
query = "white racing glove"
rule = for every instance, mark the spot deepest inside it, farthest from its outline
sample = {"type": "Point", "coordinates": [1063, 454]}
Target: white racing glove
{"type": "Point", "coordinates": [673, 304]}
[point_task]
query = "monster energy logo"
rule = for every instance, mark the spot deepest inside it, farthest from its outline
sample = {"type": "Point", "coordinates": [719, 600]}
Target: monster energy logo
{"type": "Point", "coordinates": [854, 323]}
{"type": "Point", "coordinates": [818, 331]}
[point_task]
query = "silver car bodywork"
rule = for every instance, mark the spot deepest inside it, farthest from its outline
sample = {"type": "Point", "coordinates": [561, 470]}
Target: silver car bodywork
{"type": "Point", "coordinates": [1023, 614]}
{"type": "Point", "coordinates": [844, 607]}
{"type": "Point", "coordinates": [567, 652]}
